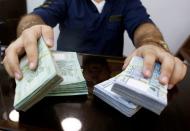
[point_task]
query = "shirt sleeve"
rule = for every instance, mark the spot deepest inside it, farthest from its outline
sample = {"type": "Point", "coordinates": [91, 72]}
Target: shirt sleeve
{"type": "Point", "coordinates": [135, 14]}
{"type": "Point", "coordinates": [51, 11]}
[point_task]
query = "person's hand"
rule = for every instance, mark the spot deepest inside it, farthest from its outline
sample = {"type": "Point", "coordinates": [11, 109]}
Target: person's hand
{"type": "Point", "coordinates": [26, 43]}
{"type": "Point", "coordinates": [173, 69]}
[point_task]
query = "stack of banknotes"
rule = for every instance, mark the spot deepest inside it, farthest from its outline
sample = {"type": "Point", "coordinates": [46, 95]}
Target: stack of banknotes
{"type": "Point", "coordinates": [104, 91]}
{"type": "Point", "coordinates": [57, 74]}
{"type": "Point", "coordinates": [35, 84]}
{"type": "Point", "coordinates": [146, 92]}
{"type": "Point", "coordinates": [70, 70]}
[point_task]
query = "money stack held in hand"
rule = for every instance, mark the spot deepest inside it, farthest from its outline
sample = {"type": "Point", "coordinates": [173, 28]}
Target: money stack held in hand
{"type": "Point", "coordinates": [129, 90]}
{"type": "Point", "coordinates": [35, 84]}
{"type": "Point", "coordinates": [146, 92]}
{"type": "Point", "coordinates": [74, 82]}
{"type": "Point", "coordinates": [104, 92]}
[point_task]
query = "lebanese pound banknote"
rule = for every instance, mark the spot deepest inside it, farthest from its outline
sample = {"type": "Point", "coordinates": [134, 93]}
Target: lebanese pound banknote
{"type": "Point", "coordinates": [36, 83]}
{"type": "Point", "coordinates": [146, 92]}
{"type": "Point", "coordinates": [70, 70]}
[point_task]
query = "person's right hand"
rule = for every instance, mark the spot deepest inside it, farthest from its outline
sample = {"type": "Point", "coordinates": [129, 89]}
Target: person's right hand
{"type": "Point", "coordinates": [26, 43]}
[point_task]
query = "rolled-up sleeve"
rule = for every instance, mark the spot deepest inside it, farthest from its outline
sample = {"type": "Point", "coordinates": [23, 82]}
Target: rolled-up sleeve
{"type": "Point", "coordinates": [135, 15]}
{"type": "Point", "coordinates": [52, 11]}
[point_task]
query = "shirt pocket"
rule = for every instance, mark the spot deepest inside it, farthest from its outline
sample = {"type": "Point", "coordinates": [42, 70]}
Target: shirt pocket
{"type": "Point", "coordinates": [115, 23]}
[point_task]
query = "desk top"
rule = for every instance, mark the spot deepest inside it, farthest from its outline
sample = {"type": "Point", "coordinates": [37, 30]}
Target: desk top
{"type": "Point", "coordinates": [94, 114]}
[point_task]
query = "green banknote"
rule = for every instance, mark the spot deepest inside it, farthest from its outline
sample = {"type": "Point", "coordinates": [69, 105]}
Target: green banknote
{"type": "Point", "coordinates": [70, 70]}
{"type": "Point", "coordinates": [35, 84]}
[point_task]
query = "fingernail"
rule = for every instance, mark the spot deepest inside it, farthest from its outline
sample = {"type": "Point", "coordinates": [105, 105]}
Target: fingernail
{"type": "Point", "coordinates": [32, 65]}
{"type": "Point", "coordinates": [50, 42]}
{"type": "Point", "coordinates": [164, 79]}
{"type": "Point", "coordinates": [170, 86]}
{"type": "Point", "coordinates": [147, 73]}
{"type": "Point", "coordinates": [17, 75]}
{"type": "Point", "coordinates": [124, 67]}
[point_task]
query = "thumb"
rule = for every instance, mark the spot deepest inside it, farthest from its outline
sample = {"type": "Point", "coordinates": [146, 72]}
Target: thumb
{"type": "Point", "coordinates": [128, 59]}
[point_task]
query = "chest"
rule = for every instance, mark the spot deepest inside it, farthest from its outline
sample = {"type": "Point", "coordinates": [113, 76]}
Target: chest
{"type": "Point", "coordinates": [84, 14]}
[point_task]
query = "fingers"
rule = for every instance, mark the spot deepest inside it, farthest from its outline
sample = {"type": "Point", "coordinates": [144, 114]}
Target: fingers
{"type": "Point", "coordinates": [30, 37]}
{"type": "Point", "coordinates": [148, 65]}
{"type": "Point", "coordinates": [167, 67]}
{"type": "Point", "coordinates": [11, 63]}
{"type": "Point", "coordinates": [48, 35]}
{"type": "Point", "coordinates": [8, 69]}
{"type": "Point", "coordinates": [172, 69]}
{"type": "Point", "coordinates": [27, 42]}
{"type": "Point", "coordinates": [30, 45]}
{"type": "Point", "coordinates": [126, 62]}
{"type": "Point", "coordinates": [178, 73]}
{"type": "Point", "coordinates": [128, 59]}
{"type": "Point", "coordinates": [149, 60]}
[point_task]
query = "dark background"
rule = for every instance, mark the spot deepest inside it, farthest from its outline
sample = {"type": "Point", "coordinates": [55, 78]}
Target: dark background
{"type": "Point", "coordinates": [10, 13]}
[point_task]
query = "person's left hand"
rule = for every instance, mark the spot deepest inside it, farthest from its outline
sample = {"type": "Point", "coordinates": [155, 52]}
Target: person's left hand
{"type": "Point", "coordinates": [173, 70]}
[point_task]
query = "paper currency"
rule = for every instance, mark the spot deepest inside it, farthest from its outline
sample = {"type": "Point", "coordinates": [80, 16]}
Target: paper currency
{"type": "Point", "coordinates": [36, 83]}
{"type": "Point", "coordinates": [104, 92]}
{"type": "Point", "coordinates": [70, 70]}
{"type": "Point", "coordinates": [148, 93]}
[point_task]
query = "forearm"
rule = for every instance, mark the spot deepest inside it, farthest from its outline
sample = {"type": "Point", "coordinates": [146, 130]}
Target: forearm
{"type": "Point", "coordinates": [149, 34]}
{"type": "Point", "coordinates": [27, 22]}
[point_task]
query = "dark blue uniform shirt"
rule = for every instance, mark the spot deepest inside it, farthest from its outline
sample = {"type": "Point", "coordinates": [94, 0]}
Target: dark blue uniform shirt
{"type": "Point", "coordinates": [83, 29]}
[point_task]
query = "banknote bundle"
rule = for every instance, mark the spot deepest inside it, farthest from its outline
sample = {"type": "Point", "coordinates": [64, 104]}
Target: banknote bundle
{"type": "Point", "coordinates": [70, 70]}
{"type": "Point", "coordinates": [146, 92]}
{"type": "Point", "coordinates": [35, 84]}
{"type": "Point", "coordinates": [104, 92]}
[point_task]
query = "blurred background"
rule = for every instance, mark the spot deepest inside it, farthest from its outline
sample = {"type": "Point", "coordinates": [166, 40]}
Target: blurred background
{"type": "Point", "coordinates": [10, 13]}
